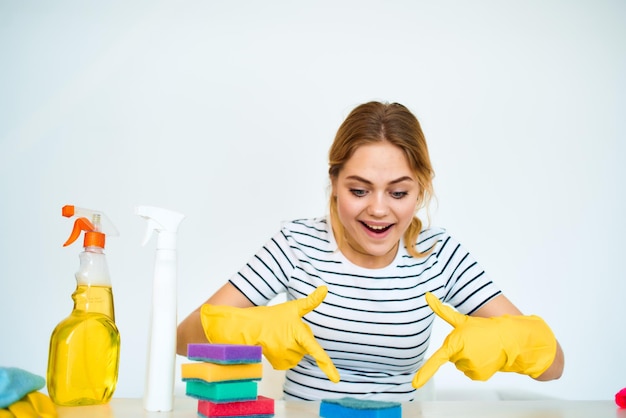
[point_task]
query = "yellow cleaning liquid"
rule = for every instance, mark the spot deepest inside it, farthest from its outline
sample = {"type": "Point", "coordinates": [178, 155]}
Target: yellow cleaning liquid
{"type": "Point", "coordinates": [84, 352]}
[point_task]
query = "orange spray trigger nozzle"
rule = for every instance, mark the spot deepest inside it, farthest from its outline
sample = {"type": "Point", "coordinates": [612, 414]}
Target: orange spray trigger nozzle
{"type": "Point", "coordinates": [81, 224]}
{"type": "Point", "coordinates": [68, 211]}
{"type": "Point", "coordinates": [97, 225]}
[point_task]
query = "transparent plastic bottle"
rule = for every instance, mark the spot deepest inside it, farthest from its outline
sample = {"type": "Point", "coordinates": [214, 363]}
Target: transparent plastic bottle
{"type": "Point", "coordinates": [83, 360]}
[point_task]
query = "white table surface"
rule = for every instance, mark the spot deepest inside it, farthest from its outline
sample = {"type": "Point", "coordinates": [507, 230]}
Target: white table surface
{"type": "Point", "coordinates": [187, 408]}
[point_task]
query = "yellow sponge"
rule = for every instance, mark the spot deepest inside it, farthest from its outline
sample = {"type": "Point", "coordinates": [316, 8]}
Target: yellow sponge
{"type": "Point", "coordinates": [211, 372]}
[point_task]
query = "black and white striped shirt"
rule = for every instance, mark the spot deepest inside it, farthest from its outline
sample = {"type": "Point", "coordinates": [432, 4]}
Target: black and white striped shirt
{"type": "Point", "coordinates": [374, 323]}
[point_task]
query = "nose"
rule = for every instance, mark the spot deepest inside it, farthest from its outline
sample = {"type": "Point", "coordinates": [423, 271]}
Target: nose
{"type": "Point", "coordinates": [378, 206]}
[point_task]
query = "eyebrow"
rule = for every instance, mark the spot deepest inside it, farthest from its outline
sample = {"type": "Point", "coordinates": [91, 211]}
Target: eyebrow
{"type": "Point", "coordinates": [362, 180]}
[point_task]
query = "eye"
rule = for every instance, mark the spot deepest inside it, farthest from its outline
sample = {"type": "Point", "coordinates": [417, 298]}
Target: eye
{"type": "Point", "coordinates": [398, 195]}
{"type": "Point", "coordinates": [358, 192]}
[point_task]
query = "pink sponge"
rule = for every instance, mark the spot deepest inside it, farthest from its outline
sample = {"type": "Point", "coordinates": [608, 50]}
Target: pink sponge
{"type": "Point", "coordinates": [261, 408]}
{"type": "Point", "coordinates": [225, 353]}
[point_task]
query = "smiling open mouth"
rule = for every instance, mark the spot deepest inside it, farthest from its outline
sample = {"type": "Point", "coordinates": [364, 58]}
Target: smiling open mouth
{"type": "Point", "coordinates": [377, 229]}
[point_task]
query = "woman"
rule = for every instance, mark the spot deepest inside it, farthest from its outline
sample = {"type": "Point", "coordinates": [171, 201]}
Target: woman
{"type": "Point", "coordinates": [365, 330]}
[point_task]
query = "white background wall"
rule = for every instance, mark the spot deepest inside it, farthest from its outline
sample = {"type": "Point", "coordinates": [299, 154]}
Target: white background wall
{"type": "Point", "coordinates": [224, 111]}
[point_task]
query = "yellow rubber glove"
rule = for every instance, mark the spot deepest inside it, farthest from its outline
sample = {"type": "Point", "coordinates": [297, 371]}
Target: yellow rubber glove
{"type": "Point", "coordinates": [34, 405]}
{"type": "Point", "coordinates": [479, 347]}
{"type": "Point", "coordinates": [42, 404]}
{"type": "Point", "coordinates": [279, 329]}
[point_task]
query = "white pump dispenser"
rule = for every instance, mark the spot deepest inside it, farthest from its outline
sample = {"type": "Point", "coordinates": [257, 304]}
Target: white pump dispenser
{"type": "Point", "coordinates": [159, 390]}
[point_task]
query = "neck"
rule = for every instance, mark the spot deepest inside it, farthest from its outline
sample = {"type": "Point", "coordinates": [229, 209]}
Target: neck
{"type": "Point", "coordinates": [357, 255]}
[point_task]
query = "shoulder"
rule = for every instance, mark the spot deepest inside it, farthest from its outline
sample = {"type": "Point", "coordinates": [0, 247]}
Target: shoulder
{"type": "Point", "coordinates": [432, 237]}
{"type": "Point", "coordinates": [308, 231]}
{"type": "Point", "coordinates": [314, 227]}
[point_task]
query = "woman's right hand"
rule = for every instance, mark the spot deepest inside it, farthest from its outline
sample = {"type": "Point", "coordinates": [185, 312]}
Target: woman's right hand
{"type": "Point", "coordinates": [279, 329]}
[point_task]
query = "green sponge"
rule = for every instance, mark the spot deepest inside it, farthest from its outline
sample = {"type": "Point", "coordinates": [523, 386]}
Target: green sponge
{"type": "Point", "coordinates": [222, 391]}
{"type": "Point", "coordinates": [359, 408]}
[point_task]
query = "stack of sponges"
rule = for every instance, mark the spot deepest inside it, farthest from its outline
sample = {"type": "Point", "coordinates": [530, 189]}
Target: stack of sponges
{"type": "Point", "coordinates": [224, 380]}
{"type": "Point", "coordinates": [359, 408]}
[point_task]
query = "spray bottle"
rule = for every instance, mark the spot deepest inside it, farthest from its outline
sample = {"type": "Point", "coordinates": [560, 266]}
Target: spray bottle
{"type": "Point", "coordinates": [83, 360]}
{"type": "Point", "coordinates": [159, 391]}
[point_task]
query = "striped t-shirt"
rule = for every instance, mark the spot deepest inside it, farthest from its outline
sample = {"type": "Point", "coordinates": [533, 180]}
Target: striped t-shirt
{"type": "Point", "coordinates": [374, 323]}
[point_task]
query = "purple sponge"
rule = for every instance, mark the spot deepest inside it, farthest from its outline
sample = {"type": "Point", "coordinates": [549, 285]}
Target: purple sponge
{"type": "Point", "coordinates": [225, 353]}
{"type": "Point", "coordinates": [359, 408]}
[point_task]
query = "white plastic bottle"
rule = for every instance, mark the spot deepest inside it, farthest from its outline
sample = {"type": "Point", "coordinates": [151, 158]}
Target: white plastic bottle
{"type": "Point", "coordinates": [159, 390]}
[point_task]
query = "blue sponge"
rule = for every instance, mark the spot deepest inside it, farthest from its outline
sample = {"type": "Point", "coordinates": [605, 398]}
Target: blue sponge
{"type": "Point", "coordinates": [359, 408]}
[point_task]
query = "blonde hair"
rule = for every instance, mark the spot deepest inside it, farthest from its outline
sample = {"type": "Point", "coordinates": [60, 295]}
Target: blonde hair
{"type": "Point", "coordinates": [375, 122]}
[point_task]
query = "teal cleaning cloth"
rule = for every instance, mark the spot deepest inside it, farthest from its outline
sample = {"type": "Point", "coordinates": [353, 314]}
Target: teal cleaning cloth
{"type": "Point", "coordinates": [16, 383]}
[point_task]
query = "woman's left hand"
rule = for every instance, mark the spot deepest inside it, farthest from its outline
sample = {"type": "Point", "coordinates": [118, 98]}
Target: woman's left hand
{"type": "Point", "coordinates": [480, 347]}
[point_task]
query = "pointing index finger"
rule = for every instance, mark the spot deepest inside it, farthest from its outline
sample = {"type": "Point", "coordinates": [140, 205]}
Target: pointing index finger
{"type": "Point", "coordinates": [430, 367]}
{"type": "Point", "coordinates": [310, 345]}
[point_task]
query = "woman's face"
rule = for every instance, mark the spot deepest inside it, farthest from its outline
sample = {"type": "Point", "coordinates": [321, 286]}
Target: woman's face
{"type": "Point", "coordinates": [377, 195]}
